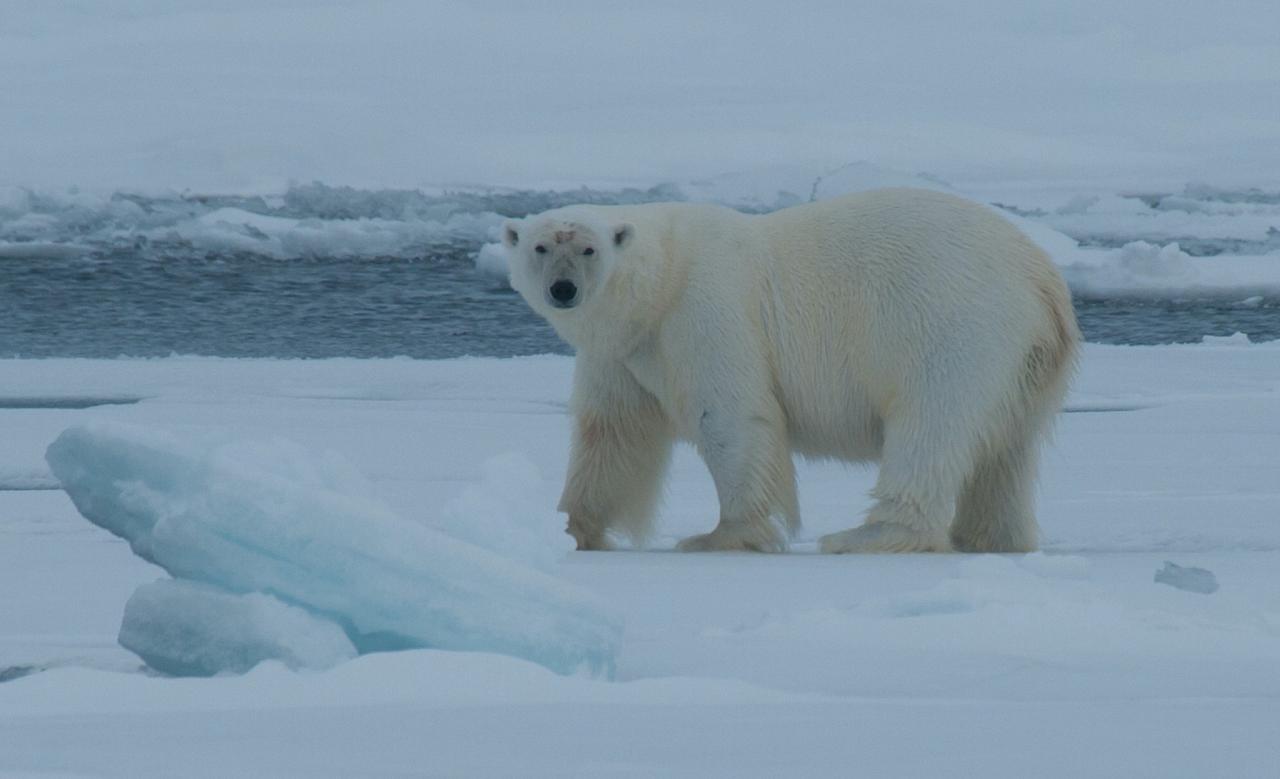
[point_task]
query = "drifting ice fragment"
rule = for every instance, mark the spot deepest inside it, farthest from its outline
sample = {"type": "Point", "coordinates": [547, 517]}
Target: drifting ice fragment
{"type": "Point", "coordinates": [191, 629]}
{"type": "Point", "coordinates": [491, 261]}
{"type": "Point", "coordinates": [212, 513]}
{"type": "Point", "coordinates": [1235, 339]}
{"type": "Point", "coordinates": [1190, 579]}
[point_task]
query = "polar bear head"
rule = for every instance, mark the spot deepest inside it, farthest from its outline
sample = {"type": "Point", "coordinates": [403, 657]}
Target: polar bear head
{"type": "Point", "coordinates": [560, 262]}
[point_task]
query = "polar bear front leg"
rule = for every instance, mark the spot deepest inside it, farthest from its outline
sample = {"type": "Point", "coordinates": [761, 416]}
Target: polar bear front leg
{"type": "Point", "coordinates": [744, 443]}
{"type": "Point", "coordinates": [621, 447]}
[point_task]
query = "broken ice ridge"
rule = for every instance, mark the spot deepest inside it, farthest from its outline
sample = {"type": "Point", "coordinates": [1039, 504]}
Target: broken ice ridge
{"type": "Point", "coordinates": [271, 519]}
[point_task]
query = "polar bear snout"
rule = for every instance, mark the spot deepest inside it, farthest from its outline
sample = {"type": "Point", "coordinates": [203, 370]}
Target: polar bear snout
{"type": "Point", "coordinates": [562, 293]}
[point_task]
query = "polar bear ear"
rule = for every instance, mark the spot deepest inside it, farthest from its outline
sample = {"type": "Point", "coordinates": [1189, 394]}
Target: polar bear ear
{"type": "Point", "coordinates": [510, 233]}
{"type": "Point", "coordinates": [622, 234]}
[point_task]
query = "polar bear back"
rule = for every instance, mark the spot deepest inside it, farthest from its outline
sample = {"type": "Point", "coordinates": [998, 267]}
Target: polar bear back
{"type": "Point", "coordinates": [852, 305]}
{"type": "Point", "coordinates": [901, 272]}
{"type": "Point", "coordinates": [901, 292]}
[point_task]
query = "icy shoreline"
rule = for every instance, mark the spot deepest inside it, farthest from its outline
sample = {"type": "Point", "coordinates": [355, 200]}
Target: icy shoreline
{"type": "Point", "coordinates": [1201, 243]}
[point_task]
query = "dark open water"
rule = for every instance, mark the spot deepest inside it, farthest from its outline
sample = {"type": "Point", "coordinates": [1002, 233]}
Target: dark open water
{"type": "Point", "coordinates": [433, 306]}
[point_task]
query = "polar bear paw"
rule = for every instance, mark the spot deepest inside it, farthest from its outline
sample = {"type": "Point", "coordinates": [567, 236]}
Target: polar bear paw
{"type": "Point", "coordinates": [883, 537]}
{"type": "Point", "coordinates": [735, 539]}
{"type": "Point", "coordinates": [590, 536]}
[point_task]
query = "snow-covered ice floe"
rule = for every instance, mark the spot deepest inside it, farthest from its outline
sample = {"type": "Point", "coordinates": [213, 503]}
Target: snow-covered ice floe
{"type": "Point", "coordinates": [1072, 662]}
{"type": "Point", "coordinates": [267, 518]}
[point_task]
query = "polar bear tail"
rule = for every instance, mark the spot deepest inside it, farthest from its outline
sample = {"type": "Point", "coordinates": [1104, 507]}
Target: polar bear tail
{"type": "Point", "coordinates": [994, 511]}
{"type": "Point", "coordinates": [1052, 360]}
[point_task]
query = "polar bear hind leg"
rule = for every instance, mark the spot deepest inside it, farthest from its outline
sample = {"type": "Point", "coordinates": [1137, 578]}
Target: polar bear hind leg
{"type": "Point", "coordinates": [994, 512]}
{"type": "Point", "coordinates": [915, 495]}
{"type": "Point", "coordinates": [931, 447]}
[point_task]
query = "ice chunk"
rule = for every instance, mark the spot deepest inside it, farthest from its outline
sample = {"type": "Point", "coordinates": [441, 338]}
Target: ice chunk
{"type": "Point", "coordinates": [491, 262]}
{"type": "Point", "coordinates": [1137, 268]}
{"type": "Point", "coordinates": [190, 629]}
{"type": "Point", "coordinates": [1190, 579]}
{"type": "Point", "coordinates": [214, 513]}
{"type": "Point", "coordinates": [495, 514]}
{"type": "Point", "coordinates": [1235, 339]}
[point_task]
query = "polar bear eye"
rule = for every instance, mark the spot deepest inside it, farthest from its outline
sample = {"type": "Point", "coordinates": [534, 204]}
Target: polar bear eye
{"type": "Point", "coordinates": [588, 251]}
{"type": "Point", "coordinates": [540, 249]}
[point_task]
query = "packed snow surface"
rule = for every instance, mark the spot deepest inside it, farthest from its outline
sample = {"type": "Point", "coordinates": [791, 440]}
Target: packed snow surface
{"type": "Point", "coordinates": [1068, 662]}
{"type": "Point", "coordinates": [268, 518]}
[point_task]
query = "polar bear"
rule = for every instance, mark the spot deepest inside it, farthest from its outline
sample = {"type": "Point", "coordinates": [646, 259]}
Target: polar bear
{"type": "Point", "coordinates": [909, 327]}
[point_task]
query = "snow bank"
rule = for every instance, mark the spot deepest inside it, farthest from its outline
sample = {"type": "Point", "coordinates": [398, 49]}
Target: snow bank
{"type": "Point", "coordinates": [1205, 221]}
{"type": "Point", "coordinates": [1138, 267]}
{"type": "Point", "coordinates": [186, 628]}
{"type": "Point", "coordinates": [1142, 269]}
{"type": "Point", "coordinates": [267, 518]}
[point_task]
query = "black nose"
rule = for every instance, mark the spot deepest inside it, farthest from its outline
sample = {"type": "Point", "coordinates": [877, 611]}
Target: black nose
{"type": "Point", "coordinates": [563, 292]}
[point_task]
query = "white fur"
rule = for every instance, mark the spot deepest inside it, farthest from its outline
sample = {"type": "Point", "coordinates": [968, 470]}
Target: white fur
{"type": "Point", "coordinates": [902, 326]}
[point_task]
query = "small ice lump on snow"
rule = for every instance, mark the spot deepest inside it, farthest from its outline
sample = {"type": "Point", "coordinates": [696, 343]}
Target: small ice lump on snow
{"type": "Point", "coordinates": [186, 628]}
{"type": "Point", "coordinates": [215, 513]}
{"type": "Point", "coordinates": [1190, 579]}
